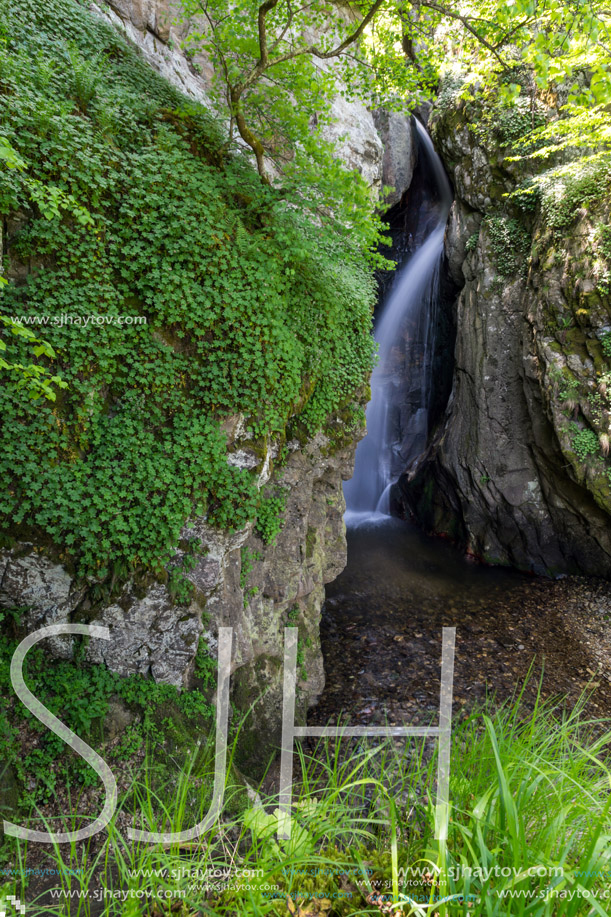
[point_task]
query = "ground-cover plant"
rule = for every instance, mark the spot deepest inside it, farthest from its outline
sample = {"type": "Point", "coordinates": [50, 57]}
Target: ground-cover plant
{"type": "Point", "coordinates": [528, 831]}
{"type": "Point", "coordinates": [189, 293]}
{"type": "Point", "coordinates": [81, 696]}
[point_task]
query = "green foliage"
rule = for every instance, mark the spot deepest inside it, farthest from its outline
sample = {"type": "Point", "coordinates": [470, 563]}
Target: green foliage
{"type": "Point", "coordinates": [516, 119]}
{"type": "Point", "coordinates": [301, 666]}
{"type": "Point", "coordinates": [80, 697]}
{"type": "Point", "coordinates": [273, 89]}
{"type": "Point", "coordinates": [270, 514]}
{"type": "Point", "coordinates": [510, 244]}
{"type": "Point", "coordinates": [565, 189]}
{"type": "Point", "coordinates": [569, 393]}
{"type": "Point", "coordinates": [472, 241]}
{"type": "Point", "coordinates": [293, 615]}
{"type": "Point", "coordinates": [247, 307]}
{"type": "Point", "coordinates": [508, 113]}
{"type": "Point", "coordinates": [604, 233]}
{"type": "Point", "coordinates": [248, 560]}
{"type": "Point", "coordinates": [34, 377]}
{"type": "Point", "coordinates": [179, 585]}
{"type": "Point", "coordinates": [606, 344]}
{"type": "Point", "coordinates": [585, 443]}
{"type": "Point", "coordinates": [275, 99]}
{"type": "Point", "coordinates": [205, 665]}
{"type": "Point", "coordinates": [529, 795]}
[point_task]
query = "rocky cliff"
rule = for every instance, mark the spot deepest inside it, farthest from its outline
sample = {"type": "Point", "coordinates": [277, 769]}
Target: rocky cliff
{"type": "Point", "coordinates": [518, 471]}
{"type": "Point", "coordinates": [241, 575]}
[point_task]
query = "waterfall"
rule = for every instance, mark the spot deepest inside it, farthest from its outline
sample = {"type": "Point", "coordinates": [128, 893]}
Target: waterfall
{"type": "Point", "coordinates": [401, 383]}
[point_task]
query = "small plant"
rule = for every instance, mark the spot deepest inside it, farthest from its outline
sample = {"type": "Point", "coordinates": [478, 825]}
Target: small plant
{"type": "Point", "coordinates": [472, 242]}
{"type": "Point", "coordinates": [604, 243]}
{"type": "Point", "coordinates": [585, 443]}
{"type": "Point", "coordinates": [205, 664]}
{"type": "Point", "coordinates": [509, 244]}
{"type": "Point", "coordinates": [569, 394]}
{"type": "Point", "coordinates": [292, 615]}
{"type": "Point", "coordinates": [597, 406]}
{"type": "Point", "coordinates": [270, 515]}
{"type": "Point", "coordinates": [180, 586]}
{"type": "Point", "coordinates": [86, 76]}
{"type": "Point", "coordinates": [606, 344]}
{"type": "Point", "coordinates": [248, 558]}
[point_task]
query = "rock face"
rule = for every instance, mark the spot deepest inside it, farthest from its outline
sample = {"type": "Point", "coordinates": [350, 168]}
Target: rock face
{"type": "Point", "coordinates": [239, 581]}
{"type": "Point", "coordinates": [381, 147]}
{"type": "Point", "coordinates": [399, 158]}
{"type": "Point", "coordinates": [517, 471]}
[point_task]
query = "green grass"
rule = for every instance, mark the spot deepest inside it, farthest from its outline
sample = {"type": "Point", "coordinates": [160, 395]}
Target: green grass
{"type": "Point", "coordinates": [529, 795]}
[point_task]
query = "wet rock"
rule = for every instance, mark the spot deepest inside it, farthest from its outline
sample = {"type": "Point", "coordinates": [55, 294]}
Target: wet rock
{"type": "Point", "coordinates": [502, 476]}
{"type": "Point", "coordinates": [396, 132]}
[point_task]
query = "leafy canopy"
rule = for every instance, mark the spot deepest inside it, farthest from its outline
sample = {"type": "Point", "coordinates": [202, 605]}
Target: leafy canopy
{"type": "Point", "coordinates": [278, 65]}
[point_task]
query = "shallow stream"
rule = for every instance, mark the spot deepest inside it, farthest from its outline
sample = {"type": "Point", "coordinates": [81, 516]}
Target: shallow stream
{"type": "Point", "coordinates": [382, 627]}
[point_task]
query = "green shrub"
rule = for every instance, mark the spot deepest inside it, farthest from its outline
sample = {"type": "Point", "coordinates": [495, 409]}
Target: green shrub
{"type": "Point", "coordinates": [80, 697]}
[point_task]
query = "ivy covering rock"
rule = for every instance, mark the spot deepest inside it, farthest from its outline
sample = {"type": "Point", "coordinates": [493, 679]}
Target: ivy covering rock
{"type": "Point", "coordinates": [249, 307]}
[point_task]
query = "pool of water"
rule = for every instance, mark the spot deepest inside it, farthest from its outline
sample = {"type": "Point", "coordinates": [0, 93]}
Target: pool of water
{"type": "Point", "coordinates": [382, 627]}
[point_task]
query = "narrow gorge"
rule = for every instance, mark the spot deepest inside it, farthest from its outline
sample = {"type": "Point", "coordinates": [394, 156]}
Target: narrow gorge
{"type": "Point", "coordinates": [305, 322]}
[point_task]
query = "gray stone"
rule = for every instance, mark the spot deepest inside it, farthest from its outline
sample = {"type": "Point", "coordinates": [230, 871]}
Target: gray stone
{"type": "Point", "coordinates": [31, 580]}
{"type": "Point", "coordinates": [501, 476]}
{"type": "Point", "coordinates": [149, 636]}
{"type": "Point", "coordinates": [397, 135]}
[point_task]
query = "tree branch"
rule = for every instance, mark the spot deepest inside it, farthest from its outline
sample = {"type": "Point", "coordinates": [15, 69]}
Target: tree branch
{"type": "Point", "coordinates": [452, 15]}
{"type": "Point", "coordinates": [247, 135]}
{"type": "Point", "coordinates": [262, 26]}
{"type": "Point", "coordinates": [325, 55]}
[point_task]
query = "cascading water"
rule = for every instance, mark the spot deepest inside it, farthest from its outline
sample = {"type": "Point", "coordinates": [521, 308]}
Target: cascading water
{"type": "Point", "coordinates": [401, 383]}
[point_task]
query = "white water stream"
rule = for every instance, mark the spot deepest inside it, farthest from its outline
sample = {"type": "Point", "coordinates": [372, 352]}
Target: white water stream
{"type": "Point", "coordinates": [401, 383]}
